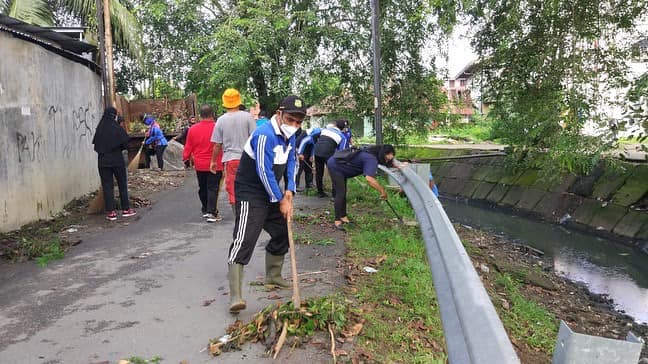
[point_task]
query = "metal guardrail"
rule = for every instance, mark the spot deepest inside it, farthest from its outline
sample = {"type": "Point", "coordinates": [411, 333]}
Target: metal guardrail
{"type": "Point", "coordinates": [472, 328]}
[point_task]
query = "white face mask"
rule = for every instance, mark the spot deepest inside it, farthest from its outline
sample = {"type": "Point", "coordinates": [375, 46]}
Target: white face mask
{"type": "Point", "coordinates": [288, 130]}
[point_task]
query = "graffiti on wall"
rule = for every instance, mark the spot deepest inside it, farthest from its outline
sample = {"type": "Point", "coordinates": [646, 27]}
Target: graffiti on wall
{"type": "Point", "coordinates": [29, 147]}
{"type": "Point", "coordinates": [67, 131]}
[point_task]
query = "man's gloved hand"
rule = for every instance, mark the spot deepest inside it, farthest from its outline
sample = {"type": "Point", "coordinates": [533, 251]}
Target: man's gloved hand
{"type": "Point", "coordinates": [187, 164]}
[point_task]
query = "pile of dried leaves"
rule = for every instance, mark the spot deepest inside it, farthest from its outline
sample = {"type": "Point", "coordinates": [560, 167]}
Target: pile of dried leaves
{"type": "Point", "coordinates": [282, 324]}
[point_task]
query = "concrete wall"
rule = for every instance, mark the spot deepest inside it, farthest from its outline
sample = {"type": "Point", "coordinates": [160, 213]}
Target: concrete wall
{"type": "Point", "coordinates": [49, 109]}
{"type": "Point", "coordinates": [605, 201]}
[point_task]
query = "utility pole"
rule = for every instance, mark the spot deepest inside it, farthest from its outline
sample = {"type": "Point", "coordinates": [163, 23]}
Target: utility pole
{"type": "Point", "coordinates": [102, 52]}
{"type": "Point", "coordinates": [110, 77]}
{"type": "Point", "coordinates": [375, 43]}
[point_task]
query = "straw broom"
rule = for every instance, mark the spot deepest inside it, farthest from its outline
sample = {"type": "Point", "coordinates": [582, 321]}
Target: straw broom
{"type": "Point", "coordinates": [97, 204]}
{"type": "Point", "coordinates": [134, 164]}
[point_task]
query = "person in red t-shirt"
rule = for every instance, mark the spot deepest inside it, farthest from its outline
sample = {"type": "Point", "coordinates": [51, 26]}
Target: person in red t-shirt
{"type": "Point", "coordinates": [199, 147]}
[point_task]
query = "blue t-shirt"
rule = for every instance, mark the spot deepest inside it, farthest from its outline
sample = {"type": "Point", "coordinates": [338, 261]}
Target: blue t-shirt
{"type": "Point", "coordinates": [362, 163]}
{"type": "Point", "coordinates": [261, 121]}
{"type": "Point", "coordinates": [435, 190]}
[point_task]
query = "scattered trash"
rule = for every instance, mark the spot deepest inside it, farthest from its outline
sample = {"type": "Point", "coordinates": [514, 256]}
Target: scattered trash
{"type": "Point", "coordinates": [142, 256]}
{"type": "Point", "coordinates": [564, 218]}
{"type": "Point", "coordinates": [484, 268]}
{"type": "Point", "coordinates": [467, 226]}
{"type": "Point", "coordinates": [71, 230]}
{"type": "Point", "coordinates": [208, 302]}
{"type": "Point", "coordinates": [505, 304]}
{"type": "Point", "coordinates": [370, 270]}
{"type": "Point", "coordinates": [225, 338]}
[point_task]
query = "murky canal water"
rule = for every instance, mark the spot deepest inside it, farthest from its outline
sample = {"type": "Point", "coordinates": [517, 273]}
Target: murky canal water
{"type": "Point", "coordinates": [605, 267]}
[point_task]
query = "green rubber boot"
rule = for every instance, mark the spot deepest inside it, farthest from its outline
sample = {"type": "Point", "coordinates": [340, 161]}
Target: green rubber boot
{"type": "Point", "coordinates": [273, 278]}
{"type": "Point", "coordinates": [235, 277]}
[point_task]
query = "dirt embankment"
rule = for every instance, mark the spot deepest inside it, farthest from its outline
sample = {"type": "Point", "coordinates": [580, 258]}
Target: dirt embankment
{"type": "Point", "coordinates": [584, 312]}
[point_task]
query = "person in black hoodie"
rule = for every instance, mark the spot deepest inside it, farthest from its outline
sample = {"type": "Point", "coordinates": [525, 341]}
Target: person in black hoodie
{"type": "Point", "coordinates": [109, 141]}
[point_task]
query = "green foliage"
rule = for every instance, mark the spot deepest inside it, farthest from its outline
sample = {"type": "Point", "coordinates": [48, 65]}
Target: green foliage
{"type": "Point", "coordinates": [125, 28]}
{"type": "Point", "coordinates": [546, 65]}
{"type": "Point", "coordinates": [526, 320]}
{"type": "Point", "coordinates": [636, 111]}
{"type": "Point", "coordinates": [403, 324]}
{"type": "Point", "coordinates": [319, 50]}
{"type": "Point", "coordinates": [164, 89]}
{"type": "Point", "coordinates": [37, 12]}
{"type": "Point", "coordinates": [139, 360]}
{"type": "Point", "coordinates": [52, 251]}
{"type": "Point", "coordinates": [414, 102]}
{"type": "Point", "coordinates": [314, 314]}
{"type": "Point", "coordinates": [325, 242]}
{"type": "Point", "coordinates": [479, 130]}
{"type": "Point", "coordinates": [175, 33]}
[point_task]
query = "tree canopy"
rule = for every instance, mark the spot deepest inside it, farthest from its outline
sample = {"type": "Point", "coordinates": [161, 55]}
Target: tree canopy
{"type": "Point", "coordinates": [318, 49]}
{"type": "Point", "coordinates": [125, 27]}
{"type": "Point", "coordinates": [548, 67]}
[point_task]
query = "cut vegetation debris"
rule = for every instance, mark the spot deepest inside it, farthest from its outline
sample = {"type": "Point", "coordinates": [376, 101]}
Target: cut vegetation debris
{"type": "Point", "coordinates": [281, 325]}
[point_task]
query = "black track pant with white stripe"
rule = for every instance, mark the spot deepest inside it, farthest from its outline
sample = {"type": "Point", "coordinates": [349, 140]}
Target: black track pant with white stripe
{"type": "Point", "coordinates": [251, 218]}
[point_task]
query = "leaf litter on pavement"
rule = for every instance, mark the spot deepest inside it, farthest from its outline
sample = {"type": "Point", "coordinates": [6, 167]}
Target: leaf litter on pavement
{"type": "Point", "coordinates": [282, 324]}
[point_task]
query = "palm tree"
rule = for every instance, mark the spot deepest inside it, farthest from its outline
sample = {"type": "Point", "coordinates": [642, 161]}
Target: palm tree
{"type": "Point", "coordinates": [125, 27]}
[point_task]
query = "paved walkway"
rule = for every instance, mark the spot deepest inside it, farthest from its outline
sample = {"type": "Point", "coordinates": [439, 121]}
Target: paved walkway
{"type": "Point", "coordinates": [140, 290]}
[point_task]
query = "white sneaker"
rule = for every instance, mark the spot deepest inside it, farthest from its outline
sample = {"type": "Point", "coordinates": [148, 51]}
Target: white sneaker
{"type": "Point", "coordinates": [206, 215]}
{"type": "Point", "coordinates": [214, 218]}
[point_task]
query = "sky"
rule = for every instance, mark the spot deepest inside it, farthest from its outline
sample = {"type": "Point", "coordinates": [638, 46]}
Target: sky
{"type": "Point", "coordinates": [459, 52]}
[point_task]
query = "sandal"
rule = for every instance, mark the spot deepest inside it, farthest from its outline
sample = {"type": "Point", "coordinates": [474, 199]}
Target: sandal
{"type": "Point", "coordinates": [339, 228]}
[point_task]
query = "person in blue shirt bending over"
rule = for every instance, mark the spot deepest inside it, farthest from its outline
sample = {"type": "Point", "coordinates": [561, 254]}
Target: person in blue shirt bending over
{"type": "Point", "coordinates": [344, 165]}
{"type": "Point", "coordinates": [155, 140]}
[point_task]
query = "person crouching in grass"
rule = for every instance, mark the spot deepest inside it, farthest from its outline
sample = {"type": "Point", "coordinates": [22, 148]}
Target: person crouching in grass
{"type": "Point", "coordinates": [343, 166]}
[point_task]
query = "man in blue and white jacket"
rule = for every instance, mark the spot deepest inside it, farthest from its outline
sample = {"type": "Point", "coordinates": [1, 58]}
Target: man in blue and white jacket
{"type": "Point", "coordinates": [305, 143]}
{"type": "Point", "coordinates": [268, 155]}
{"type": "Point", "coordinates": [331, 139]}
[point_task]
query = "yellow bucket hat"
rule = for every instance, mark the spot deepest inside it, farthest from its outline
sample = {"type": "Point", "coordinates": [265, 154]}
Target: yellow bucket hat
{"type": "Point", "coordinates": [231, 98]}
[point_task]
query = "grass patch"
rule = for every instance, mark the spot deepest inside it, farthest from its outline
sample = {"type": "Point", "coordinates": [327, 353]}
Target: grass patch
{"type": "Point", "coordinates": [402, 317]}
{"type": "Point", "coordinates": [139, 360]}
{"type": "Point", "coordinates": [325, 242]}
{"type": "Point", "coordinates": [527, 321]}
{"type": "Point", "coordinates": [50, 252]}
{"type": "Point", "coordinates": [478, 131]}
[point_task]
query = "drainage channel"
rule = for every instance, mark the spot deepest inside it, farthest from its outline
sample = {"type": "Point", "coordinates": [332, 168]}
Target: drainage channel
{"type": "Point", "coordinates": [604, 267]}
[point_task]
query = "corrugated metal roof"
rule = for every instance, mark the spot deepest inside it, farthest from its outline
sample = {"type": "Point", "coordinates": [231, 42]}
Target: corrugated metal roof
{"type": "Point", "coordinates": [47, 34]}
{"type": "Point", "coordinates": [59, 43]}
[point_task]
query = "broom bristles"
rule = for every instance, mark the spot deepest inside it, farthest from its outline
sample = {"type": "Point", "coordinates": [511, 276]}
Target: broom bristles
{"type": "Point", "coordinates": [97, 204]}
{"type": "Point", "coordinates": [134, 164]}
